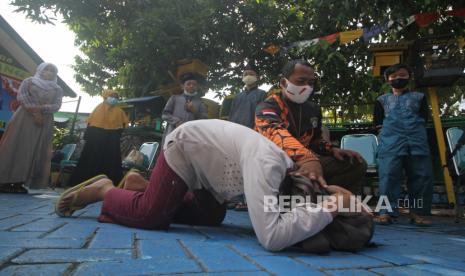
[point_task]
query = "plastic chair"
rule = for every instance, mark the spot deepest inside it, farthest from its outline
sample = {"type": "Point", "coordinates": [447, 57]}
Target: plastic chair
{"type": "Point", "coordinates": [149, 150]}
{"type": "Point", "coordinates": [458, 160]}
{"type": "Point", "coordinates": [67, 151]}
{"type": "Point", "coordinates": [453, 135]}
{"type": "Point", "coordinates": [366, 145]}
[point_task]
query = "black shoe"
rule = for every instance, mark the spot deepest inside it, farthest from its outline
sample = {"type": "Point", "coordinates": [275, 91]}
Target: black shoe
{"type": "Point", "coordinates": [13, 188]}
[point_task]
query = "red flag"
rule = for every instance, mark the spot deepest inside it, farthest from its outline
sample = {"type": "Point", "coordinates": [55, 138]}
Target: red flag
{"type": "Point", "coordinates": [459, 12]}
{"type": "Point", "coordinates": [424, 19]}
{"type": "Point", "coordinates": [330, 38]}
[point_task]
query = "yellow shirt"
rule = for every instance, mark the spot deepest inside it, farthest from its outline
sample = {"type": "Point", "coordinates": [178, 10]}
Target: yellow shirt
{"type": "Point", "coordinates": [108, 117]}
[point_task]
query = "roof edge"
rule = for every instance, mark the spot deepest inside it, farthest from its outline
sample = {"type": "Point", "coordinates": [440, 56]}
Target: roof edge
{"type": "Point", "coordinates": [68, 92]}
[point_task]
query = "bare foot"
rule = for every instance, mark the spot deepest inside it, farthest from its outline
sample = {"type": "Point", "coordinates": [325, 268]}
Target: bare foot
{"type": "Point", "coordinates": [135, 182]}
{"type": "Point", "coordinates": [87, 195]}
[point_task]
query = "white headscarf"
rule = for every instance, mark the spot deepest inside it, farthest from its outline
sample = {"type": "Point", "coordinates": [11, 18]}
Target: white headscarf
{"type": "Point", "coordinates": [45, 84]}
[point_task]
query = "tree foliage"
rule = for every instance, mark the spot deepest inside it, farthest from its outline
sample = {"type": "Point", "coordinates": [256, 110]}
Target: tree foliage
{"type": "Point", "coordinates": [134, 45]}
{"type": "Point", "coordinates": [62, 136]}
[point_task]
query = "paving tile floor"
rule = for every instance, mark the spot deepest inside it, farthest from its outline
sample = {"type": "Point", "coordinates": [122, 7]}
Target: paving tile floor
{"type": "Point", "coordinates": [34, 241]}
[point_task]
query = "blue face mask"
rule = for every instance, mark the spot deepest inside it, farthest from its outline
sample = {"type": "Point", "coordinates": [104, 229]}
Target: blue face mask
{"type": "Point", "coordinates": [112, 101]}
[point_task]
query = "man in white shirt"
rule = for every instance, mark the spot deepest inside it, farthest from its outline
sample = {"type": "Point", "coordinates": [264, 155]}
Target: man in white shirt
{"type": "Point", "coordinates": [205, 163]}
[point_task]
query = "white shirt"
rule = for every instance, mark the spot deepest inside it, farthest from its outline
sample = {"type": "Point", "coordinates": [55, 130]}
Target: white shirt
{"type": "Point", "coordinates": [229, 160]}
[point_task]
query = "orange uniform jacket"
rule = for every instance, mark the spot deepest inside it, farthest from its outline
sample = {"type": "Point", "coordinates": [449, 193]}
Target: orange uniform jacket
{"type": "Point", "coordinates": [294, 131]}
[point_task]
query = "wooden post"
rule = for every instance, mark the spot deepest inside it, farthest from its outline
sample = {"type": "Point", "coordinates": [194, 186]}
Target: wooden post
{"type": "Point", "coordinates": [433, 96]}
{"type": "Point", "coordinates": [71, 132]}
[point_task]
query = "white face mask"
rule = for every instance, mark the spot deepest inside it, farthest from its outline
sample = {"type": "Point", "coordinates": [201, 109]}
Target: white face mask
{"type": "Point", "coordinates": [193, 94]}
{"type": "Point", "coordinates": [249, 80]}
{"type": "Point", "coordinates": [112, 101]}
{"type": "Point", "coordinates": [297, 94]}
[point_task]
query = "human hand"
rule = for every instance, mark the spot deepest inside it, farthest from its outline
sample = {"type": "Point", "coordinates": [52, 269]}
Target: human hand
{"type": "Point", "coordinates": [190, 107]}
{"type": "Point", "coordinates": [334, 189]}
{"type": "Point", "coordinates": [312, 170]}
{"type": "Point", "coordinates": [341, 154]}
{"type": "Point", "coordinates": [334, 203]}
{"type": "Point", "coordinates": [38, 118]}
{"type": "Point", "coordinates": [33, 109]}
{"type": "Point", "coordinates": [348, 200]}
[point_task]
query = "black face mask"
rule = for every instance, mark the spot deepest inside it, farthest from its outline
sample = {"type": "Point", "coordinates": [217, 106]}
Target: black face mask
{"type": "Point", "coordinates": [399, 83]}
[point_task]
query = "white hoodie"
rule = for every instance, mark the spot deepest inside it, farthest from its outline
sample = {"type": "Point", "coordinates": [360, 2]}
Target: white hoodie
{"type": "Point", "coordinates": [228, 160]}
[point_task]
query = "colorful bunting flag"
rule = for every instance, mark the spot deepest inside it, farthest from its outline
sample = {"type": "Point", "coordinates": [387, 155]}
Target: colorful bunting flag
{"type": "Point", "coordinates": [401, 24]}
{"type": "Point", "coordinates": [272, 49]}
{"type": "Point", "coordinates": [330, 38]}
{"type": "Point", "coordinates": [459, 12]}
{"type": "Point", "coordinates": [299, 44]}
{"type": "Point", "coordinates": [304, 43]}
{"type": "Point", "coordinates": [349, 36]}
{"type": "Point", "coordinates": [410, 20]}
{"type": "Point", "coordinates": [369, 33]}
{"type": "Point", "coordinates": [424, 19]}
{"type": "Point", "coordinates": [390, 23]}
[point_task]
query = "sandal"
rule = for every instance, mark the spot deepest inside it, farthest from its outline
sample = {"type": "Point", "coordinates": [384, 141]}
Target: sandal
{"type": "Point", "coordinates": [383, 220]}
{"type": "Point", "coordinates": [420, 221]}
{"type": "Point", "coordinates": [72, 208]}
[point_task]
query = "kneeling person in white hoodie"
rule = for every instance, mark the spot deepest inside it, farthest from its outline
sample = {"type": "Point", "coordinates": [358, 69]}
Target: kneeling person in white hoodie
{"type": "Point", "coordinates": [205, 163]}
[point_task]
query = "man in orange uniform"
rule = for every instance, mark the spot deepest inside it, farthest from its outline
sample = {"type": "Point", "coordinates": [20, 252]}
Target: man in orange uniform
{"type": "Point", "coordinates": [293, 122]}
